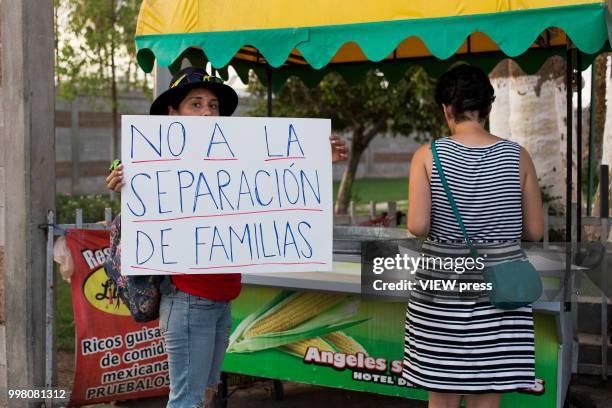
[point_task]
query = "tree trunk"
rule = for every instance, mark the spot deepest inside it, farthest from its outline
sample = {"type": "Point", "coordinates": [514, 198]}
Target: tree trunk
{"type": "Point", "coordinates": [346, 185]}
{"type": "Point", "coordinates": [603, 133]}
{"type": "Point", "coordinates": [361, 140]}
{"type": "Point", "coordinates": [114, 98]}
{"type": "Point", "coordinates": [599, 70]}
{"type": "Point", "coordinates": [604, 125]}
{"type": "Point", "coordinates": [115, 115]}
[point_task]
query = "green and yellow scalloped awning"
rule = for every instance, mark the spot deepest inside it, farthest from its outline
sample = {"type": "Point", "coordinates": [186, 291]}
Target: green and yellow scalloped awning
{"type": "Point", "coordinates": [322, 34]}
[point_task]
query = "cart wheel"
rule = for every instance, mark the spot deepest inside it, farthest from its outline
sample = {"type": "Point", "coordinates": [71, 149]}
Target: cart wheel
{"type": "Point", "coordinates": [279, 393]}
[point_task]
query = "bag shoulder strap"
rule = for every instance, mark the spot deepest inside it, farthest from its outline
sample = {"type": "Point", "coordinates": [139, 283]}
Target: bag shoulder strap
{"type": "Point", "coordinates": [449, 194]}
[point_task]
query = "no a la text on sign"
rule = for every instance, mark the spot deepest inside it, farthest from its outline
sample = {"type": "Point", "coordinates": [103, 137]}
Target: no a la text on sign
{"type": "Point", "coordinates": [223, 195]}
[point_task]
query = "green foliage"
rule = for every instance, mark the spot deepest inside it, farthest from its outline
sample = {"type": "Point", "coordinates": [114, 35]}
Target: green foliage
{"type": "Point", "coordinates": [377, 189]}
{"type": "Point", "coordinates": [370, 108]}
{"type": "Point", "coordinates": [406, 107]}
{"type": "Point", "coordinates": [95, 47]}
{"type": "Point", "coordinates": [93, 211]}
{"type": "Point", "coordinates": [64, 314]}
{"type": "Point", "coordinates": [93, 207]}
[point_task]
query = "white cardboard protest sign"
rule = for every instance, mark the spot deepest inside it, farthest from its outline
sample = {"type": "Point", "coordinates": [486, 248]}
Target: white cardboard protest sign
{"type": "Point", "coordinates": [225, 194]}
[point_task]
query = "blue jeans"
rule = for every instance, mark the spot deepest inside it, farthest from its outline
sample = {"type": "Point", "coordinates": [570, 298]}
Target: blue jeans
{"type": "Point", "coordinates": [196, 332]}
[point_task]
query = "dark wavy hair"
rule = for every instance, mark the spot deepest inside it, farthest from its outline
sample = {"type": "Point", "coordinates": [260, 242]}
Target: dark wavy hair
{"type": "Point", "coordinates": [465, 89]}
{"type": "Point", "coordinates": [180, 96]}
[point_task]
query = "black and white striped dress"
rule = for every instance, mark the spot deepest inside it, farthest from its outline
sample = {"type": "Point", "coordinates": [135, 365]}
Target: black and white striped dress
{"type": "Point", "coordinates": [459, 342]}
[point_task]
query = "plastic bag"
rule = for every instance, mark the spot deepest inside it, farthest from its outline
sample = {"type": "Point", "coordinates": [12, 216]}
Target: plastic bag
{"type": "Point", "coordinates": [61, 255]}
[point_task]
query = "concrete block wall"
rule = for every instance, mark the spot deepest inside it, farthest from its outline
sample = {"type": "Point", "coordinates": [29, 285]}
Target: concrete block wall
{"type": "Point", "coordinates": [83, 135]}
{"type": "Point", "coordinates": [83, 131]}
{"type": "Point", "coordinates": [83, 139]}
{"type": "Point", "coordinates": [386, 156]}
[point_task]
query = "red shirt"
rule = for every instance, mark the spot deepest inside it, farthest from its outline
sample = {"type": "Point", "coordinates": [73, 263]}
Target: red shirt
{"type": "Point", "coordinates": [221, 287]}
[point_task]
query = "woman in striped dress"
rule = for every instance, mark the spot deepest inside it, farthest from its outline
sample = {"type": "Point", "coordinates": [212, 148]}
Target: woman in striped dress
{"type": "Point", "coordinates": [459, 344]}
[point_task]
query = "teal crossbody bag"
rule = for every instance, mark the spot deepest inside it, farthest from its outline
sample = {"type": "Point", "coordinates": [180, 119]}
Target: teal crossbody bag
{"type": "Point", "coordinates": [514, 283]}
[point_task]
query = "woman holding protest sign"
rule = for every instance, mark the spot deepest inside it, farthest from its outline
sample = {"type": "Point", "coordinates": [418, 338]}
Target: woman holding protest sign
{"type": "Point", "coordinates": [195, 310]}
{"type": "Point", "coordinates": [477, 188]}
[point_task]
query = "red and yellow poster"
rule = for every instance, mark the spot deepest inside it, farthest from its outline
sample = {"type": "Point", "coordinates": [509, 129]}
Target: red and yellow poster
{"type": "Point", "coordinates": [116, 357]}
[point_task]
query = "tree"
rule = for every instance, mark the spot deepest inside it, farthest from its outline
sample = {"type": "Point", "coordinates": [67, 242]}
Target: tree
{"type": "Point", "coordinates": [603, 136]}
{"type": "Point", "coordinates": [95, 52]}
{"type": "Point", "coordinates": [370, 108]}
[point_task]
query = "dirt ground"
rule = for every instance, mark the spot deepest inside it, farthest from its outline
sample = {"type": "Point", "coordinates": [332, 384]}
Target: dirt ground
{"type": "Point", "coordinates": [585, 392]}
{"type": "Point", "coordinates": [260, 394]}
{"type": "Point", "coordinates": [296, 395]}
{"type": "Point", "coordinates": [65, 369]}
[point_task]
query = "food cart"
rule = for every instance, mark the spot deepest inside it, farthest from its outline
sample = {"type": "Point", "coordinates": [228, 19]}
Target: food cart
{"type": "Point", "coordinates": [375, 327]}
{"type": "Point", "coordinates": [357, 343]}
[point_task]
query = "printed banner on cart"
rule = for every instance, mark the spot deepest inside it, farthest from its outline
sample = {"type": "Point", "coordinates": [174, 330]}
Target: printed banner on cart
{"type": "Point", "coordinates": [116, 358]}
{"type": "Point", "coordinates": [217, 195]}
{"type": "Point", "coordinates": [347, 342]}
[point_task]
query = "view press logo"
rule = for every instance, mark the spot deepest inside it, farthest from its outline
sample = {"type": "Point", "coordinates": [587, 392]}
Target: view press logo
{"type": "Point", "coordinates": [395, 268]}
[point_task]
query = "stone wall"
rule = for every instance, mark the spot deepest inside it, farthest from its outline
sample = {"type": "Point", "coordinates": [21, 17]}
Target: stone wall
{"type": "Point", "coordinates": [83, 141]}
